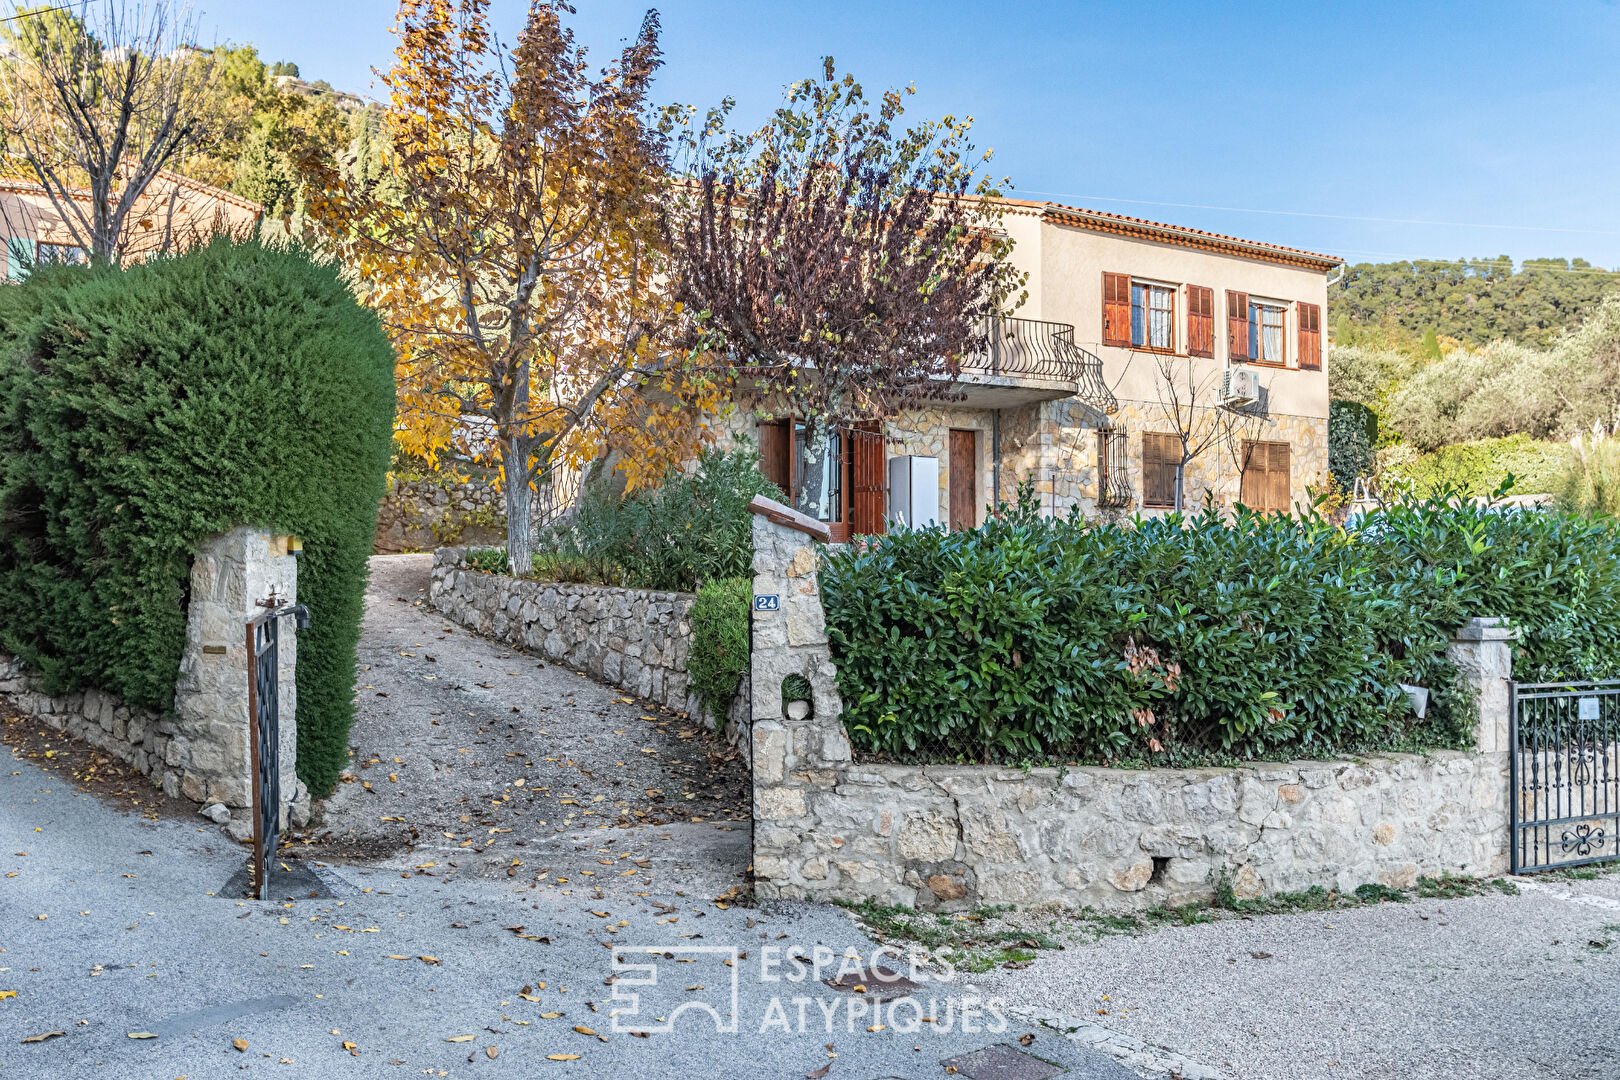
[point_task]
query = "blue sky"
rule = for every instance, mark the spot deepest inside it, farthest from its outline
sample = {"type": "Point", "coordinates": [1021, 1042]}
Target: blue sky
{"type": "Point", "coordinates": [1385, 130]}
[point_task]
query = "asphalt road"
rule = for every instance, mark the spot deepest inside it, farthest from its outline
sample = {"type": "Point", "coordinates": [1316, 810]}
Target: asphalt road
{"type": "Point", "coordinates": [112, 924]}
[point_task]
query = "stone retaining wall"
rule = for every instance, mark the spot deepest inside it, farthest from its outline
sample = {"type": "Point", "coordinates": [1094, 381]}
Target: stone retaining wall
{"type": "Point", "coordinates": [199, 751]}
{"type": "Point", "coordinates": [421, 513]}
{"type": "Point", "coordinates": [635, 639]}
{"type": "Point", "coordinates": [829, 827]}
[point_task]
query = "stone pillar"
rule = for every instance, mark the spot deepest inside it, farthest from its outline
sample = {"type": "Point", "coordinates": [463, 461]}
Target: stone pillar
{"type": "Point", "coordinates": [1483, 653]}
{"type": "Point", "coordinates": [209, 750]}
{"type": "Point", "coordinates": [793, 757]}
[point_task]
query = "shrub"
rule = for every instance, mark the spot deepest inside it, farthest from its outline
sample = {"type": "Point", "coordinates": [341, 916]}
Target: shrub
{"type": "Point", "coordinates": [1591, 480]}
{"type": "Point", "coordinates": [690, 529]}
{"type": "Point", "coordinates": [1479, 468]}
{"type": "Point", "coordinates": [1349, 442]}
{"type": "Point", "coordinates": [718, 657]}
{"type": "Point", "coordinates": [1178, 639]}
{"type": "Point", "coordinates": [147, 409]}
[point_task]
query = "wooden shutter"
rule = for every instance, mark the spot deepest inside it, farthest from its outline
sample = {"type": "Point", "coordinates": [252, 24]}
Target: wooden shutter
{"type": "Point", "coordinates": [1237, 325]}
{"type": "Point", "coordinates": [1116, 328]}
{"type": "Point", "coordinates": [1200, 321]}
{"type": "Point", "coordinates": [1267, 481]}
{"type": "Point", "coordinates": [776, 455]}
{"type": "Point", "coordinates": [1310, 336]}
{"type": "Point", "coordinates": [1161, 459]}
{"type": "Point", "coordinates": [867, 469]}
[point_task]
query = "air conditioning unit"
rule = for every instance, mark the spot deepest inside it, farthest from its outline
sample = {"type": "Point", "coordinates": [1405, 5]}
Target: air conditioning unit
{"type": "Point", "coordinates": [1240, 387]}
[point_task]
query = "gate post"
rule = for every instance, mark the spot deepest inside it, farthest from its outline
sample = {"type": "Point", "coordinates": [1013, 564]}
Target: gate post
{"type": "Point", "coordinates": [1483, 653]}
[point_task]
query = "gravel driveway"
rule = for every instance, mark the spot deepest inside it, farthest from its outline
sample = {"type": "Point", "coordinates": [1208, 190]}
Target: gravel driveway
{"type": "Point", "coordinates": [472, 758]}
{"type": "Point", "coordinates": [1489, 987]}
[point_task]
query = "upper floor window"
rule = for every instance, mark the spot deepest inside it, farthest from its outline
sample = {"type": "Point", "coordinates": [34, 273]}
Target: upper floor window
{"type": "Point", "coordinates": [1266, 333]}
{"type": "Point", "coordinates": [1153, 316]}
{"type": "Point", "coordinates": [1310, 336]}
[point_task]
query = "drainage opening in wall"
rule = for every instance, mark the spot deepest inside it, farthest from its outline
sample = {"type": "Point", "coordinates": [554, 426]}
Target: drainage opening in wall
{"type": "Point", "coordinates": [1161, 865]}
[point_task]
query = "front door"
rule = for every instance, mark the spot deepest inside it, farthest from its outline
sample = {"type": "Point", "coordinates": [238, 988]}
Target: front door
{"type": "Point", "coordinates": [964, 481]}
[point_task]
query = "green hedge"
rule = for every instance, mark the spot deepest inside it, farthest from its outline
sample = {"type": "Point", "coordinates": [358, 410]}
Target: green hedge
{"type": "Point", "coordinates": [143, 410]}
{"type": "Point", "coordinates": [718, 658]}
{"type": "Point", "coordinates": [1480, 467]}
{"type": "Point", "coordinates": [1181, 640]}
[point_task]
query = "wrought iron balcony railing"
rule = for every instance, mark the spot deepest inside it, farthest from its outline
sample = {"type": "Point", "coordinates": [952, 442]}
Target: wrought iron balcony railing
{"type": "Point", "coordinates": [1033, 349]}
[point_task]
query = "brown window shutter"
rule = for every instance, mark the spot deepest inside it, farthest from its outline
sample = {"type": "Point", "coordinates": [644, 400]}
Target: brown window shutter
{"type": "Point", "coordinates": [1237, 325]}
{"type": "Point", "coordinates": [1310, 336]}
{"type": "Point", "coordinates": [1278, 470]}
{"type": "Point", "coordinates": [867, 469]}
{"type": "Point", "coordinates": [1200, 321]}
{"type": "Point", "coordinates": [1116, 329]}
{"type": "Point", "coordinates": [1161, 457]}
{"type": "Point", "coordinates": [775, 452]}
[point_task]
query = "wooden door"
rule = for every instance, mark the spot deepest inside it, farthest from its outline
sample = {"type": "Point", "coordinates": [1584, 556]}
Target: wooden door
{"type": "Point", "coordinates": [867, 479]}
{"type": "Point", "coordinates": [964, 481]}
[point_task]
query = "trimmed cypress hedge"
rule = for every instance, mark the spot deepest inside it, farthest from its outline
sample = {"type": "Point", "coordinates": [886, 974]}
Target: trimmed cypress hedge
{"type": "Point", "coordinates": [145, 409]}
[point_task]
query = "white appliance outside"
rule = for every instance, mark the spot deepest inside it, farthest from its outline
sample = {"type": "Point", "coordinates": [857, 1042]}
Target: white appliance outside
{"type": "Point", "coordinates": [914, 491]}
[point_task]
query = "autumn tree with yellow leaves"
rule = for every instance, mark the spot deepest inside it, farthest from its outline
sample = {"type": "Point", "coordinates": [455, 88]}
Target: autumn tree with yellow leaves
{"type": "Point", "coordinates": [514, 254]}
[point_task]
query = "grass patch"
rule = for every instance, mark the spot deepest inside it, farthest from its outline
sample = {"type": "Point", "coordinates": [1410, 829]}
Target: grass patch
{"type": "Point", "coordinates": [961, 939]}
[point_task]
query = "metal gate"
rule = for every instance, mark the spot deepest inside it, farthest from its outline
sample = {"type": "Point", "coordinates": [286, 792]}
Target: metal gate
{"type": "Point", "coordinates": [264, 729]}
{"type": "Point", "coordinates": [1565, 781]}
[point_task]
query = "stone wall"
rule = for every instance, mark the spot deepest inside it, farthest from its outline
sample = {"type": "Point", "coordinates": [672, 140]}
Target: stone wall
{"type": "Point", "coordinates": [461, 508]}
{"type": "Point", "coordinates": [952, 836]}
{"type": "Point", "coordinates": [635, 639]}
{"type": "Point", "coordinates": [199, 750]}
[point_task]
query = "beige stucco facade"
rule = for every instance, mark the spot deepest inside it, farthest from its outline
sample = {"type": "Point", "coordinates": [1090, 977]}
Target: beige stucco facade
{"type": "Point", "coordinates": [1047, 434]}
{"type": "Point", "coordinates": [173, 213]}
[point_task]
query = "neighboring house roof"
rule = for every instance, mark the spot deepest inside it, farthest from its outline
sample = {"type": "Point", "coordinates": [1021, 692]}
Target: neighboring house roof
{"type": "Point", "coordinates": [1143, 229]}
{"type": "Point", "coordinates": [30, 187]}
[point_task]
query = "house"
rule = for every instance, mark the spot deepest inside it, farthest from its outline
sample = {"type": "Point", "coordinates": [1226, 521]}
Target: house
{"type": "Point", "coordinates": [1149, 361]}
{"type": "Point", "coordinates": [174, 213]}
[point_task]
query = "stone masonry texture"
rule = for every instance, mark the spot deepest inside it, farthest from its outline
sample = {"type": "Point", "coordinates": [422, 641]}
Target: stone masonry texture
{"type": "Point", "coordinates": [635, 639]}
{"type": "Point", "coordinates": [948, 837]}
{"type": "Point", "coordinates": [199, 750]}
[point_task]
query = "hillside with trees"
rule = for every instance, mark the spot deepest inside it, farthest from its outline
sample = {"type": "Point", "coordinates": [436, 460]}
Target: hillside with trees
{"type": "Point", "coordinates": [1475, 301]}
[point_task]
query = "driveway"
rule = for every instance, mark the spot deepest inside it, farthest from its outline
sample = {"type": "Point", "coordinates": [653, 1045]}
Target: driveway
{"type": "Point", "coordinates": [472, 759]}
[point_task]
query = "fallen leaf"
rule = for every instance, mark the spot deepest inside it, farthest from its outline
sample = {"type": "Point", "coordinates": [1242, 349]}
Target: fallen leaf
{"type": "Point", "coordinates": [461, 1038]}
{"type": "Point", "coordinates": [817, 1074]}
{"type": "Point", "coordinates": [550, 1015]}
{"type": "Point", "coordinates": [7, 993]}
{"type": "Point", "coordinates": [142, 1035]}
{"type": "Point", "coordinates": [583, 1030]}
{"type": "Point", "coordinates": [562, 1057]}
{"type": "Point", "coordinates": [492, 1052]}
{"type": "Point", "coordinates": [240, 1044]}
{"type": "Point", "coordinates": [1025, 1039]}
{"type": "Point", "coordinates": [428, 959]}
{"type": "Point", "coordinates": [42, 1036]}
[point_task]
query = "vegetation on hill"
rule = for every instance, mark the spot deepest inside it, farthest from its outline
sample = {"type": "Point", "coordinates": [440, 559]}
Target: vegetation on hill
{"type": "Point", "coordinates": [1475, 301]}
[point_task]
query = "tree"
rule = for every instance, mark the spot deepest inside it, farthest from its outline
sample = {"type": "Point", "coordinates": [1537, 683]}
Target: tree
{"type": "Point", "coordinates": [842, 265]}
{"type": "Point", "coordinates": [283, 67]}
{"type": "Point", "coordinates": [1189, 403]}
{"type": "Point", "coordinates": [100, 102]}
{"type": "Point", "coordinates": [514, 256]}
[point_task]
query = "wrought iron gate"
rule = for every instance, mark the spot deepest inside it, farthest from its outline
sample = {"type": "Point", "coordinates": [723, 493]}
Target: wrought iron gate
{"type": "Point", "coordinates": [1565, 783]}
{"type": "Point", "coordinates": [264, 729]}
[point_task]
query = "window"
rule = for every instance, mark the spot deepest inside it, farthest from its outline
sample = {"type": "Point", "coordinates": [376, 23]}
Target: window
{"type": "Point", "coordinates": [1153, 316]}
{"type": "Point", "coordinates": [818, 475]}
{"type": "Point", "coordinates": [1200, 321]}
{"type": "Point", "coordinates": [60, 253]}
{"type": "Point", "coordinates": [1266, 482]}
{"type": "Point", "coordinates": [1113, 479]}
{"type": "Point", "coordinates": [1116, 310]}
{"type": "Point", "coordinates": [1310, 336]}
{"type": "Point", "coordinates": [1161, 469]}
{"type": "Point", "coordinates": [1266, 333]}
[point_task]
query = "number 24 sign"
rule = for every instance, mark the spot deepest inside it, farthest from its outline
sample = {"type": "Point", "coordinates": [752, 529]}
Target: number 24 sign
{"type": "Point", "coordinates": [767, 603]}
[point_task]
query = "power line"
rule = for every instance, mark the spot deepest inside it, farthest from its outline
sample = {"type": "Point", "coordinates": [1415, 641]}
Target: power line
{"type": "Point", "coordinates": [31, 14]}
{"type": "Point", "coordinates": [1331, 217]}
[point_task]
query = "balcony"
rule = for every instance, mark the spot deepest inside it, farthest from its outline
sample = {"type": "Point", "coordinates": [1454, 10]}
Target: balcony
{"type": "Point", "coordinates": [1026, 361]}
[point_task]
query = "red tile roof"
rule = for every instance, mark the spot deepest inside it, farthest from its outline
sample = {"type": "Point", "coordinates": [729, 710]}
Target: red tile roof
{"type": "Point", "coordinates": [1142, 228]}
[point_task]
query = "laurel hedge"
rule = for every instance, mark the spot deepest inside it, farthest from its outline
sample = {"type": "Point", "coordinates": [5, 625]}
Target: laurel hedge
{"type": "Point", "coordinates": [145, 409]}
{"type": "Point", "coordinates": [1176, 640]}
